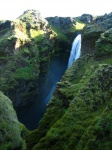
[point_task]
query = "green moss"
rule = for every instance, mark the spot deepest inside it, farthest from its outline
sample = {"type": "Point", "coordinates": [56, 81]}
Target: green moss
{"type": "Point", "coordinates": [37, 35]}
{"type": "Point", "coordinates": [10, 132]}
{"type": "Point", "coordinates": [84, 124]}
{"type": "Point", "coordinates": [60, 34]}
{"type": "Point", "coordinates": [25, 73]}
{"type": "Point", "coordinates": [103, 47]}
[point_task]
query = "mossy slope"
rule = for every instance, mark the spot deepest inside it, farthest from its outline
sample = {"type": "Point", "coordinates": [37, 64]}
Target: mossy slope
{"type": "Point", "coordinates": [10, 129]}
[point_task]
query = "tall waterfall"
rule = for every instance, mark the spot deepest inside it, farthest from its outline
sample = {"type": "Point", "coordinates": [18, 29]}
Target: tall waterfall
{"type": "Point", "coordinates": [75, 51]}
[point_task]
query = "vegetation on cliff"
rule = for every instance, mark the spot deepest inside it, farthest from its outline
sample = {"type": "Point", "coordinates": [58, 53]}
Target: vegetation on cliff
{"type": "Point", "coordinates": [12, 133]}
{"type": "Point", "coordinates": [92, 31]}
{"type": "Point", "coordinates": [104, 44]}
{"type": "Point", "coordinates": [26, 46]}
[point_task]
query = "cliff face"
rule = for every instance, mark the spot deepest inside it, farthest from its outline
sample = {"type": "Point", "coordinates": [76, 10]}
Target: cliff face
{"type": "Point", "coordinates": [11, 132]}
{"type": "Point", "coordinates": [103, 46]}
{"type": "Point", "coordinates": [26, 45]}
{"type": "Point", "coordinates": [91, 33]}
{"type": "Point", "coordinates": [79, 114]}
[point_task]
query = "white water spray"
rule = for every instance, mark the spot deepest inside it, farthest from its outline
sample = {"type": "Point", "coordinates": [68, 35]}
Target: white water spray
{"type": "Point", "coordinates": [75, 51]}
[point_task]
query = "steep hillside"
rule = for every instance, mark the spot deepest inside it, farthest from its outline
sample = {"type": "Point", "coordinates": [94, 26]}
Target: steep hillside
{"type": "Point", "coordinates": [79, 116]}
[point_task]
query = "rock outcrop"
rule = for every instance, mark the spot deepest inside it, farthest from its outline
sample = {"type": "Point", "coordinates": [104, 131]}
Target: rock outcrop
{"type": "Point", "coordinates": [93, 30]}
{"type": "Point", "coordinates": [103, 46]}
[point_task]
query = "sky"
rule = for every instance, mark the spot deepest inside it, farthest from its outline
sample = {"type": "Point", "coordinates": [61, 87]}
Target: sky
{"type": "Point", "coordinates": [12, 9]}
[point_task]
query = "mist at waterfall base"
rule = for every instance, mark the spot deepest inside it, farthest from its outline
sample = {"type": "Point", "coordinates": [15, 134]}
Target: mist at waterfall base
{"type": "Point", "coordinates": [32, 114]}
{"type": "Point", "coordinates": [75, 51]}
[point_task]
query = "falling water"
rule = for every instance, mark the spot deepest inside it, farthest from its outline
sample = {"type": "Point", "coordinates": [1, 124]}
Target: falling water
{"type": "Point", "coordinates": [75, 51]}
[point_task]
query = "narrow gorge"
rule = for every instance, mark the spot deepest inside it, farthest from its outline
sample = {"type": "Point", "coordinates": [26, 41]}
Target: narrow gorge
{"type": "Point", "coordinates": [31, 115]}
{"type": "Point", "coordinates": [56, 82]}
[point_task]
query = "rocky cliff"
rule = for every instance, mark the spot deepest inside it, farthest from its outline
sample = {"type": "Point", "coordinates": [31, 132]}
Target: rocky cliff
{"type": "Point", "coordinates": [97, 26]}
{"type": "Point", "coordinates": [26, 45]}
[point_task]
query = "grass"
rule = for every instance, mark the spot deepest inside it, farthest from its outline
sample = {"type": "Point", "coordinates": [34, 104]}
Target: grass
{"type": "Point", "coordinates": [37, 35]}
{"type": "Point", "coordinates": [60, 34]}
{"type": "Point", "coordinates": [79, 25]}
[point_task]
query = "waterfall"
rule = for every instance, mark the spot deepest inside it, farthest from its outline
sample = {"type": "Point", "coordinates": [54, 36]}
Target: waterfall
{"type": "Point", "coordinates": [75, 51]}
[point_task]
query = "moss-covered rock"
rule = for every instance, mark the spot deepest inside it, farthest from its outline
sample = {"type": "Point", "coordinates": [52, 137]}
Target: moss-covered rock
{"type": "Point", "coordinates": [92, 31]}
{"type": "Point", "coordinates": [11, 133]}
{"type": "Point", "coordinates": [103, 47]}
